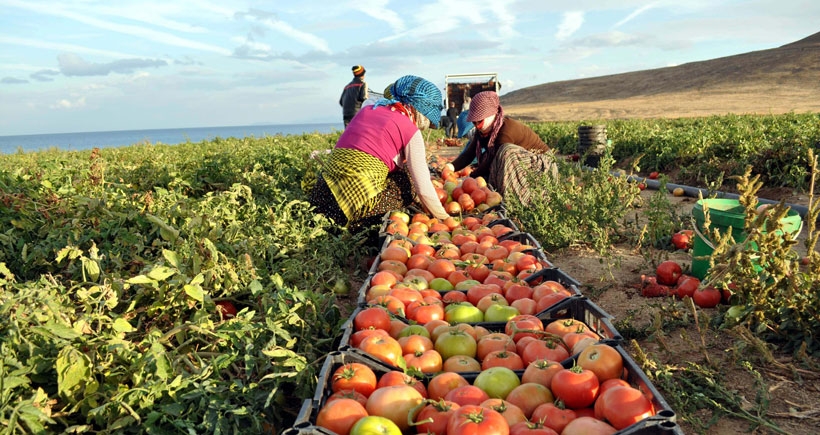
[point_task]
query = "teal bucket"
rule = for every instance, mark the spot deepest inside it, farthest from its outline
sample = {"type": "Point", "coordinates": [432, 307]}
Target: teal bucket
{"type": "Point", "coordinates": [726, 215]}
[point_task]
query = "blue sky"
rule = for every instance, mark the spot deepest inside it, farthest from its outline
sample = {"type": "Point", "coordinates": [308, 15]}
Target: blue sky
{"type": "Point", "coordinates": [89, 65]}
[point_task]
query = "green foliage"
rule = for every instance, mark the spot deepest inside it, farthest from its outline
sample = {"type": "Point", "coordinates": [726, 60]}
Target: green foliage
{"type": "Point", "coordinates": [580, 206]}
{"type": "Point", "coordinates": [111, 262]}
{"type": "Point", "coordinates": [775, 146]}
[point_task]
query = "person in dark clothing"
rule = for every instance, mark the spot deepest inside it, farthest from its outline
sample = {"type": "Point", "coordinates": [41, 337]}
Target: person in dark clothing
{"type": "Point", "coordinates": [452, 116]}
{"type": "Point", "coordinates": [353, 95]}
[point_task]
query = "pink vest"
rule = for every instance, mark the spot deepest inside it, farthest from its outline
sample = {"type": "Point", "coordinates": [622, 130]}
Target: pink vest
{"type": "Point", "coordinates": [381, 132]}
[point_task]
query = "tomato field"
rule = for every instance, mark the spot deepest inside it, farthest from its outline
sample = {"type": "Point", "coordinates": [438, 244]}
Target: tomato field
{"type": "Point", "coordinates": [191, 288]}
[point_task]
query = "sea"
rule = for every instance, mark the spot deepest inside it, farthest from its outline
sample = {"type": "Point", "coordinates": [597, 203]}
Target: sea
{"type": "Point", "coordinates": [168, 136]}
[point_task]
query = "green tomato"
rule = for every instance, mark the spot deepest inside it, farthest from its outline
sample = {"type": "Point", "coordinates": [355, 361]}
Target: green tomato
{"type": "Point", "coordinates": [441, 285]}
{"type": "Point", "coordinates": [466, 284]}
{"type": "Point", "coordinates": [455, 342]}
{"type": "Point", "coordinates": [497, 382]}
{"type": "Point", "coordinates": [416, 282]}
{"type": "Point", "coordinates": [375, 425]}
{"type": "Point", "coordinates": [414, 330]}
{"type": "Point", "coordinates": [463, 313]}
{"type": "Point", "coordinates": [500, 313]}
{"type": "Point", "coordinates": [341, 286]}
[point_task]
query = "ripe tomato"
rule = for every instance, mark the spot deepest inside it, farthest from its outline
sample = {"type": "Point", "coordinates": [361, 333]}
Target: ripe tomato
{"type": "Point", "coordinates": [541, 372]}
{"type": "Point", "coordinates": [575, 386]}
{"type": "Point", "coordinates": [603, 360]}
{"type": "Point", "coordinates": [394, 403]}
{"type": "Point", "coordinates": [433, 418]}
{"type": "Point", "coordinates": [668, 272]}
{"type": "Point", "coordinates": [546, 349]}
{"type": "Point", "coordinates": [687, 286]}
{"type": "Point", "coordinates": [623, 406]}
{"type": "Point", "coordinates": [682, 239]}
{"type": "Point", "coordinates": [708, 297]}
{"type": "Point", "coordinates": [492, 342]}
{"type": "Point", "coordinates": [588, 426]}
{"type": "Point", "coordinates": [524, 325]}
{"type": "Point", "coordinates": [467, 395]}
{"type": "Point", "coordinates": [528, 396]}
{"type": "Point", "coordinates": [476, 292]}
{"type": "Point", "coordinates": [414, 342]}
{"type": "Point", "coordinates": [534, 428]}
{"type": "Point", "coordinates": [357, 337]}
{"type": "Point", "coordinates": [475, 420]}
{"type": "Point", "coordinates": [226, 309]}
{"type": "Point", "coordinates": [562, 327]}
{"type": "Point", "coordinates": [340, 415]}
{"type": "Point", "coordinates": [396, 377]}
{"type": "Point", "coordinates": [510, 412]}
{"type": "Point", "coordinates": [653, 175]}
{"type": "Point", "coordinates": [348, 394]}
{"type": "Point", "coordinates": [428, 361]}
{"type": "Point", "coordinates": [553, 416]}
{"type": "Point", "coordinates": [354, 376]}
{"type": "Point", "coordinates": [372, 318]}
{"type": "Point", "coordinates": [461, 364]}
{"type": "Point", "coordinates": [439, 385]}
{"type": "Point", "coordinates": [502, 358]}
{"type": "Point", "coordinates": [382, 347]}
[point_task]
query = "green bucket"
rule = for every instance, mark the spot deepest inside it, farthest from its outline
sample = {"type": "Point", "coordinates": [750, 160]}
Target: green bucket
{"type": "Point", "coordinates": [726, 215]}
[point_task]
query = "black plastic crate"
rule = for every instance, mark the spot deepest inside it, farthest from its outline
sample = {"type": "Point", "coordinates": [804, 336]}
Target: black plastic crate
{"type": "Point", "coordinates": [665, 419]}
{"type": "Point", "coordinates": [555, 274]}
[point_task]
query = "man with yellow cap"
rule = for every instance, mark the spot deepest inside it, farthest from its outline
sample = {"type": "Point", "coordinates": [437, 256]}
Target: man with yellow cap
{"type": "Point", "coordinates": [353, 95]}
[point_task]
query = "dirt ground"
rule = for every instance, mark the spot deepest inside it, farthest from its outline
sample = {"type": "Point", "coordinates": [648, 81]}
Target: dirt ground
{"type": "Point", "coordinates": [793, 393]}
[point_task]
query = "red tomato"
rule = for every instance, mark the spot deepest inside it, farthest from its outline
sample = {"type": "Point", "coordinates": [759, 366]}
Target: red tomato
{"type": "Point", "coordinates": [524, 325]}
{"type": "Point", "coordinates": [357, 337]}
{"type": "Point", "coordinates": [396, 377]}
{"type": "Point", "coordinates": [226, 309]}
{"type": "Point", "coordinates": [562, 327]}
{"type": "Point", "coordinates": [372, 317]}
{"type": "Point", "coordinates": [541, 372]}
{"type": "Point", "coordinates": [682, 239]}
{"type": "Point", "coordinates": [687, 286]}
{"type": "Point", "coordinates": [394, 403]}
{"type": "Point", "coordinates": [527, 428]}
{"type": "Point", "coordinates": [510, 412]}
{"type": "Point", "coordinates": [476, 292]}
{"type": "Point", "coordinates": [588, 426]}
{"type": "Point", "coordinates": [623, 406]}
{"type": "Point", "coordinates": [424, 311]}
{"type": "Point", "coordinates": [439, 385]}
{"type": "Point", "coordinates": [433, 418]}
{"type": "Point", "coordinates": [551, 350]}
{"type": "Point", "coordinates": [384, 348]}
{"type": "Point", "coordinates": [467, 395]}
{"type": "Point", "coordinates": [428, 361]}
{"type": "Point", "coordinates": [575, 386]}
{"type": "Point", "coordinates": [340, 415]}
{"type": "Point", "coordinates": [475, 420]}
{"type": "Point", "coordinates": [708, 297]}
{"type": "Point", "coordinates": [354, 376]}
{"type": "Point", "coordinates": [502, 358]}
{"type": "Point", "coordinates": [348, 394]}
{"type": "Point", "coordinates": [529, 396]}
{"type": "Point", "coordinates": [554, 416]}
{"type": "Point", "coordinates": [668, 272]}
{"type": "Point", "coordinates": [492, 342]}
{"type": "Point", "coordinates": [653, 175]}
{"type": "Point", "coordinates": [603, 360]}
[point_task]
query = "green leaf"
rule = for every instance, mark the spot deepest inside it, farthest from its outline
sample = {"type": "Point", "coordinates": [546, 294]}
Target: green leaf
{"type": "Point", "coordinates": [195, 292]}
{"type": "Point", "coordinates": [91, 269]}
{"type": "Point", "coordinates": [171, 257]}
{"type": "Point", "coordinates": [141, 279]}
{"type": "Point", "coordinates": [73, 372]}
{"type": "Point", "coordinates": [122, 325]}
{"type": "Point", "coordinates": [160, 273]}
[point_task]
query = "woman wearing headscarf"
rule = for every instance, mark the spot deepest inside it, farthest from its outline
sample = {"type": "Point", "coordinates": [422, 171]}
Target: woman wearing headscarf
{"type": "Point", "coordinates": [379, 163]}
{"type": "Point", "coordinates": [506, 150]}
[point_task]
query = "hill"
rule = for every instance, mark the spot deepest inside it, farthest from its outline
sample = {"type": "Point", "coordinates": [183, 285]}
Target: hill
{"type": "Point", "coordinates": [779, 80]}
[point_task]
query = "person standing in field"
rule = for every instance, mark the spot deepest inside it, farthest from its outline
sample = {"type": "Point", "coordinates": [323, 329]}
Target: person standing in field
{"type": "Point", "coordinates": [506, 150]}
{"type": "Point", "coordinates": [353, 95]}
{"type": "Point", "coordinates": [379, 163]}
{"type": "Point", "coordinates": [452, 115]}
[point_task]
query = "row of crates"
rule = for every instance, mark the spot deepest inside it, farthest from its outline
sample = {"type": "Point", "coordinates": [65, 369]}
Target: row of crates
{"type": "Point", "coordinates": [576, 307]}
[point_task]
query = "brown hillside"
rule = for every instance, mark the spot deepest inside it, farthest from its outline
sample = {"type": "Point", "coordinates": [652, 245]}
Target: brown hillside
{"type": "Point", "coordinates": [779, 80]}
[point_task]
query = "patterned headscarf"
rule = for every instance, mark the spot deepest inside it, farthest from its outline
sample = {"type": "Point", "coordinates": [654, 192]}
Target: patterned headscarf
{"type": "Point", "coordinates": [424, 96]}
{"type": "Point", "coordinates": [483, 105]}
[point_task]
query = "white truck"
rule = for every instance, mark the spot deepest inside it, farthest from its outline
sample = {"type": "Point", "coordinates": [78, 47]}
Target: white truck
{"type": "Point", "coordinates": [460, 87]}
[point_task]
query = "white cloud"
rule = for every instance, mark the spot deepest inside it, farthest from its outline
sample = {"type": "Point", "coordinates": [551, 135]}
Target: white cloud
{"type": "Point", "coordinates": [635, 13]}
{"type": "Point", "coordinates": [570, 23]}
{"type": "Point", "coordinates": [68, 104]}
{"type": "Point", "coordinates": [378, 9]}
{"type": "Point", "coordinates": [60, 46]}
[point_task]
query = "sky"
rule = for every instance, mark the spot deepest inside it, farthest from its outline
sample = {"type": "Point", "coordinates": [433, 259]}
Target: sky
{"type": "Point", "coordinates": [101, 65]}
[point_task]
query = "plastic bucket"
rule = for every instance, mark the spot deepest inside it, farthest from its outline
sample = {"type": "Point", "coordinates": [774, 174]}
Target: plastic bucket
{"type": "Point", "coordinates": [726, 215]}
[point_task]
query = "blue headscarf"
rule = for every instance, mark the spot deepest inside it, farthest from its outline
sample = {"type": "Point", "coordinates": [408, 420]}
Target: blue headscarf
{"type": "Point", "coordinates": [464, 126]}
{"type": "Point", "coordinates": [417, 92]}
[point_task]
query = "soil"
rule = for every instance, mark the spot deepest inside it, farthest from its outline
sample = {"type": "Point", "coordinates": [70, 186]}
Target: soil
{"type": "Point", "coordinates": [794, 396]}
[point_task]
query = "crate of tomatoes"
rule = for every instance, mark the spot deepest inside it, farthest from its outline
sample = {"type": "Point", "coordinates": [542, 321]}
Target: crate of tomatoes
{"type": "Point", "coordinates": [600, 391]}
